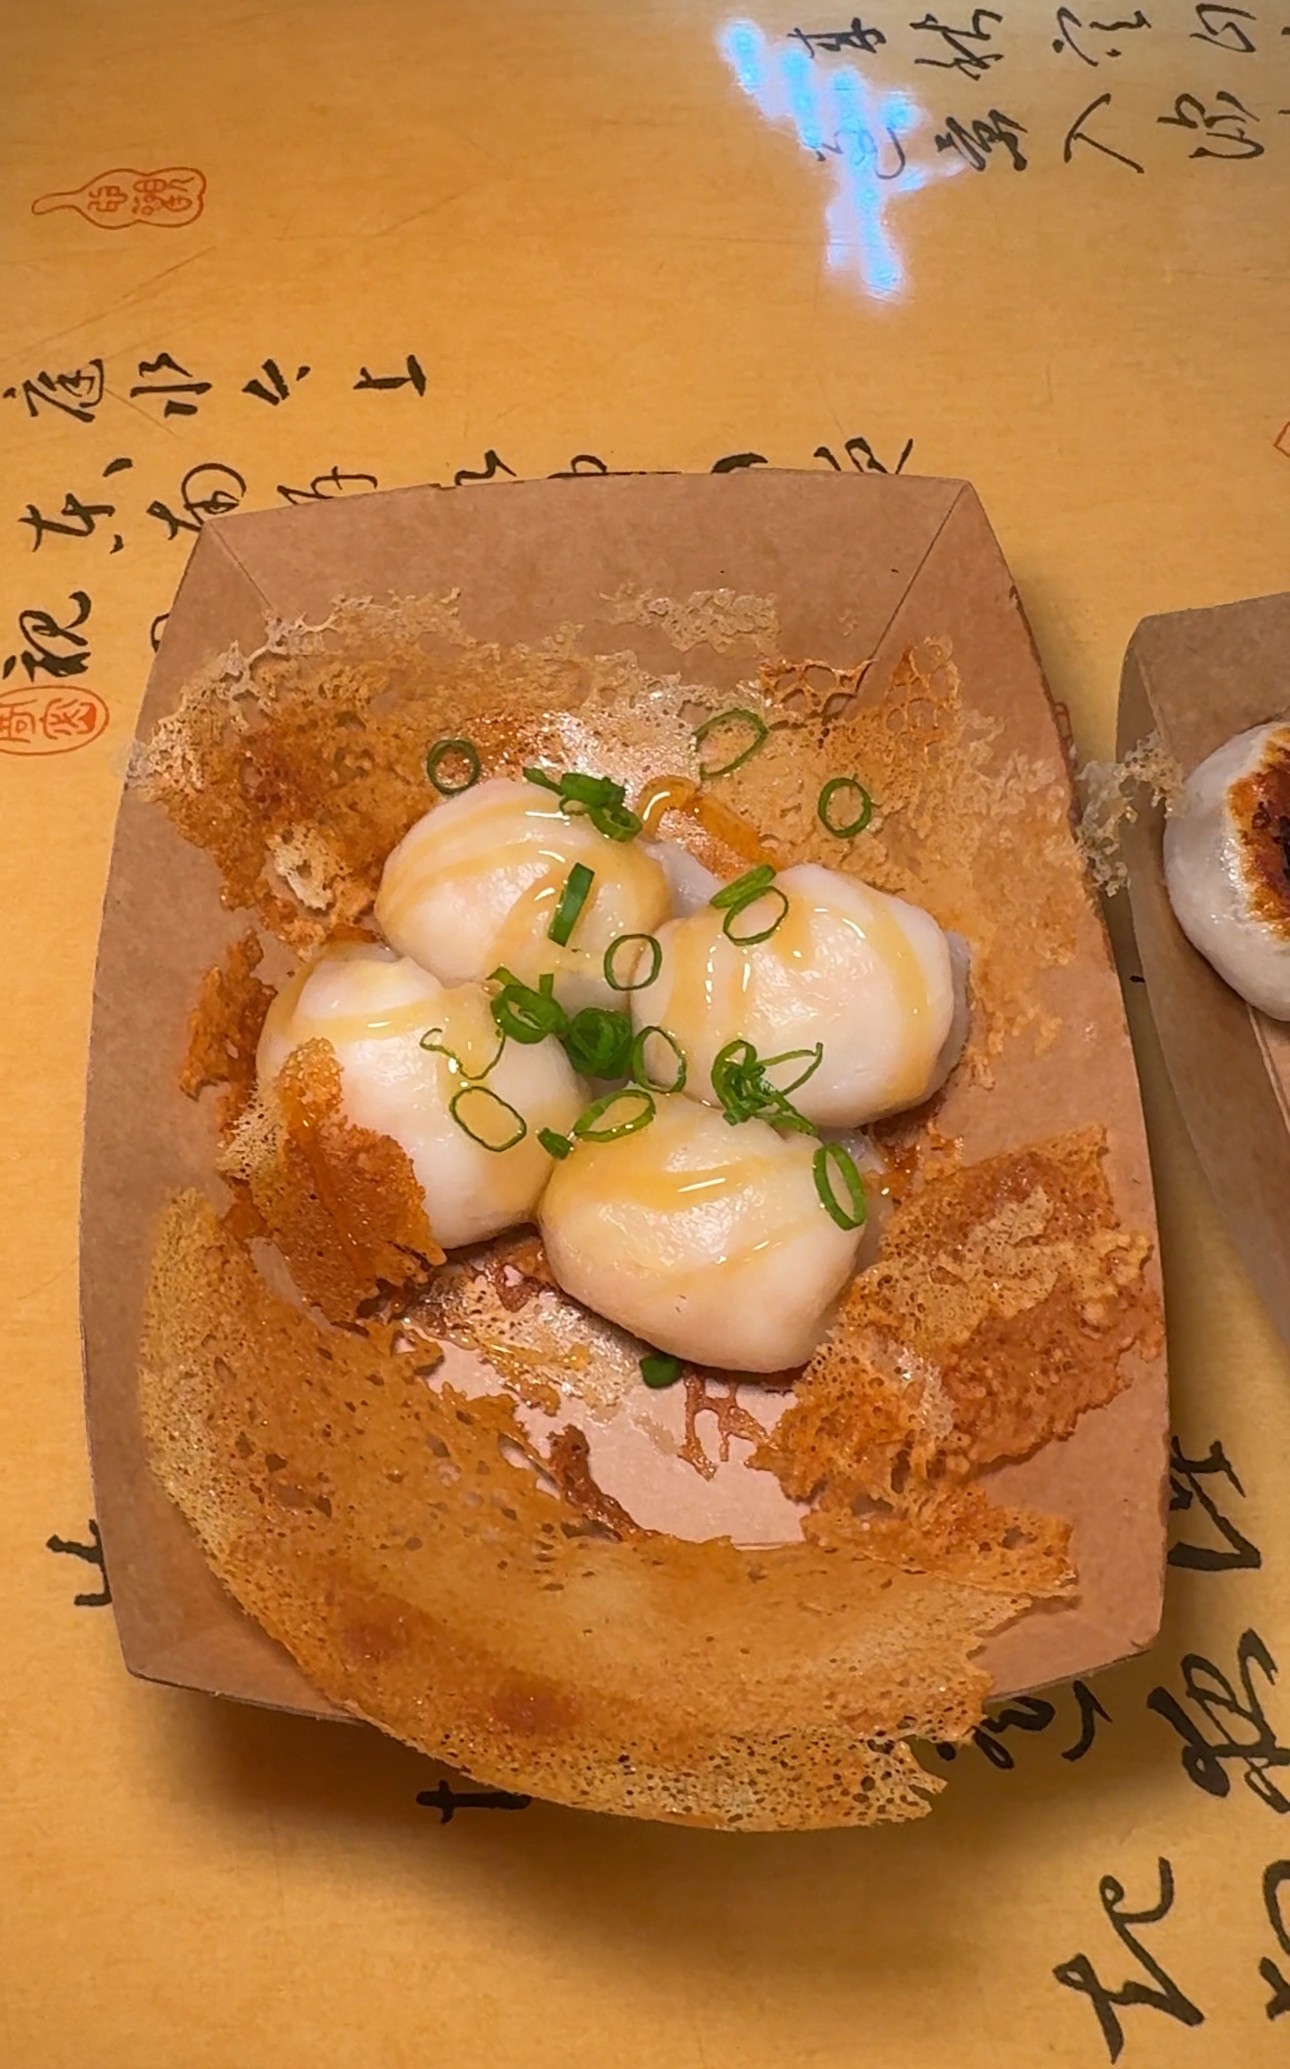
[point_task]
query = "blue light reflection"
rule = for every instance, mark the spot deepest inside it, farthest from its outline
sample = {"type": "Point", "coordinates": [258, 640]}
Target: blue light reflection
{"type": "Point", "coordinates": [859, 132]}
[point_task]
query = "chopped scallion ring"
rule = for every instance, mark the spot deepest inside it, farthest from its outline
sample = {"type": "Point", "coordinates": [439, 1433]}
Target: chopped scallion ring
{"type": "Point", "coordinates": [863, 815]}
{"type": "Point", "coordinates": [445, 750]}
{"type": "Point", "coordinates": [763, 933]}
{"type": "Point", "coordinates": [590, 790]}
{"type": "Point", "coordinates": [586, 1126]}
{"type": "Point", "coordinates": [830, 1157]}
{"type": "Point", "coordinates": [524, 1014]}
{"type": "Point", "coordinates": [640, 1070]}
{"type": "Point", "coordinates": [746, 1094]}
{"type": "Point", "coordinates": [637, 983]}
{"type": "Point", "coordinates": [431, 1040]}
{"type": "Point", "coordinates": [493, 1107]}
{"type": "Point", "coordinates": [599, 797]}
{"type": "Point", "coordinates": [598, 1042]}
{"type": "Point", "coordinates": [749, 889]}
{"type": "Point", "coordinates": [816, 1056]}
{"type": "Point", "coordinates": [736, 1056]}
{"type": "Point", "coordinates": [555, 1145]}
{"type": "Point", "coordinates": [659, 1369]}
{"type": "Point", "coordinates": [744, 888]}
{"type": "Point", "coordinates": [722, 719]}
{"type": "Point", "coordinates": [573, 897]}
{"type": "Point", "coordinates": [615, 821]}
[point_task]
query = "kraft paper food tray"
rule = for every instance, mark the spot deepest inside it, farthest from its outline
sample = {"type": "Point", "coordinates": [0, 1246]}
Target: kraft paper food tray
{"type": "Point", "coordinates": [856, 567]}
{"type": "Point", "coordinates": [1194, 678]}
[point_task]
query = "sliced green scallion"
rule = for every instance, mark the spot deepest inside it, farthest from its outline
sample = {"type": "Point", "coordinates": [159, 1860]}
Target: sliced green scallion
{"type": "Point", "coordinates": [448, 750]}
{"type": "Point", "coordinates": [659, 1369]}
{"type": "Point", "coordinates": [555, 1145]}
{"type": "Point", "coordinates": [852, 1212]}
{"type": "Point", "coordinates": [864, 808]}
{"type": "Point", "coordinates": [745, 1092]}
{"type": "Point", "coordinates": [495, 1109]}
{"type": "Point", "coordinates": [432, 1041]}
{"type": "Point", "coordinates": [721, 721]}
{"type": "Point", "coordinates": [610, 963]}
{"type": "Point", "coordinates": [601, 799]}
{"type": "Point", "coordinates": [598, 1042]}
{"type": "Point", "coordinates": [744, 888]}
{"type": "Point", "coordinates": [749, 889]}
{"type": "Point", "coordinates": [616, 822]}
{"type": "Point", "coordinates": [577, 889]}
{"type": "Point", "coordinates": [640, 1069]}
{"type": "Point", "coordinates": [524, 1013]}
{"type": "Point", "coordinates": [576, 787]}
{"type": "Point", "coordinates": [815, 1057]}
{"type": "Point", "coordinates": [588, 1126]}
{"type": "Point", "coordinates": [761, 933]}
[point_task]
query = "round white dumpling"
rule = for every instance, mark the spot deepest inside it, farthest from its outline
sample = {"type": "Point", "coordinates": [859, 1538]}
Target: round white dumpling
{"type": "Point", "coordinates": [475, 884]}
{"type": "Point", "coordinates": [373, 1007]}
{"type": "Point", "coordinates": [1227, 864]}
{"type": "Point", "coordinates": [708, 1240]}
{"type": "Point", "coordinates": [870, 977]}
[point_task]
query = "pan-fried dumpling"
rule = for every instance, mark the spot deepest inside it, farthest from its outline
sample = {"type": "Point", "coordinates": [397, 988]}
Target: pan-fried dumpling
{"type": "Point", "coordinates": [1227, 864]}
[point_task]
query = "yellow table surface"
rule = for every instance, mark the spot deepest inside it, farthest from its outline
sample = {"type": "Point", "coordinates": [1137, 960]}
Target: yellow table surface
{"type": "Point", "coordinates": [661, 236]}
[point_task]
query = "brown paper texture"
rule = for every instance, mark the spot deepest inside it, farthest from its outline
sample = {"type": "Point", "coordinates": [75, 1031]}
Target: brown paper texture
{"type": "Point", "coordinates": [853, 568]}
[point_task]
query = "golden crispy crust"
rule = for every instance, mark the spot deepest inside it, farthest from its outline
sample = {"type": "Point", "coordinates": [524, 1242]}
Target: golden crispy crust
{"type": "Point", "coordinates": [1260, 808]}
{"type": "Point", "coordinates": [224, 1028]}
{"type": "Point", "coordinates": [342, 1204]}
{"type": "Point", "coordinates": [380, 1530]}
{"type": "Point", "coordinates": [1004, 1303]}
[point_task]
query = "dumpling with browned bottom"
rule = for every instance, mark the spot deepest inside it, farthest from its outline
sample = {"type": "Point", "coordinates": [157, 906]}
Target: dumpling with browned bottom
{"type": "Point", "coordinates": [1227, 864]}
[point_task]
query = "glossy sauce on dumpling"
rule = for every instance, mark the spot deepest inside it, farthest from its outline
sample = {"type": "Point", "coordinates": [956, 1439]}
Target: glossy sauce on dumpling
{"type": "Point", "coordinates": [475, 884]}
{"type": "Point", "coordinates": [709, 1241]}
{"type": "Point", "coordinates": [867, 975]}
{"type": "Point", "coordinates": [373, 1007]}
